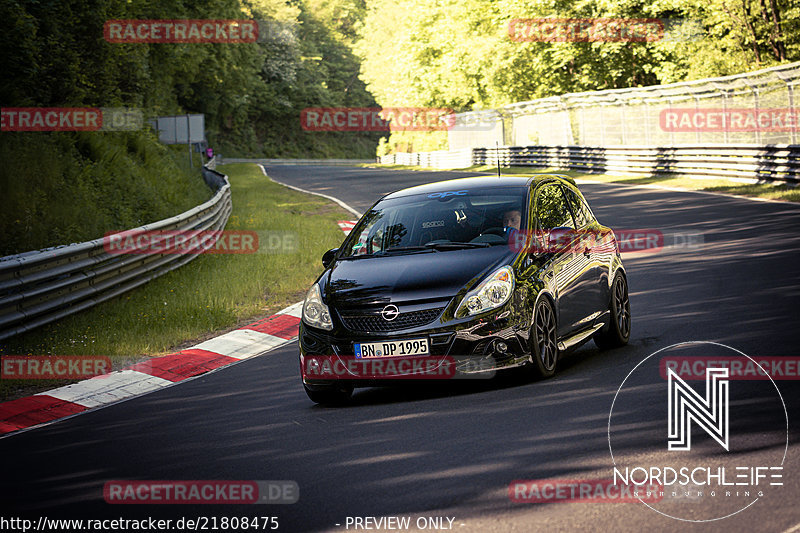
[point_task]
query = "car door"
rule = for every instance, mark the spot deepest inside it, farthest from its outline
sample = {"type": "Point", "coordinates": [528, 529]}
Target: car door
{"type": "Point", "coordinates": [566, 264]}
{"type": "Point", "coordinates": [594, 276]}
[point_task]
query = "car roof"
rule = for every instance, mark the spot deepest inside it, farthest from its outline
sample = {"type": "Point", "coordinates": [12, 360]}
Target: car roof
{"type": "Point", "coordinates": [478, 181]}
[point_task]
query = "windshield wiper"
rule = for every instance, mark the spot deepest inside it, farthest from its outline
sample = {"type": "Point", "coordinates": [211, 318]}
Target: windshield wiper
{"type": "Point", "coordinates": [388, 251]}
{"type": "Point", "coordinates": [406, 249]}
{"type": "Point", "coordinates": [430, 247]}
{"type": "Point", "coordinates": [456, 245]}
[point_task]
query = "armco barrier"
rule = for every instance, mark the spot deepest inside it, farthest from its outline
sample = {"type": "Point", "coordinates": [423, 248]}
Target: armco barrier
{"type": "Point", "coordinates": [301, 162]}
{"type": "Point", "coordinates": [42, 286]}
{"type": "Point", "coordinates": [751, 162]}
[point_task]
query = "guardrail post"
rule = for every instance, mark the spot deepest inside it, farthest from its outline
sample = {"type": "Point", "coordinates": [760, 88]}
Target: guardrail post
{"type": "Point", "coordinates": [671, 131]}
{"type": "Point", "coordinates": [583, 125]}
{"type": "Point", "coordinates": [602, 127]}
{"type": "Point", "coordinates": [790, 89]}
{"type": "Point", "coordinates": [726, 122]}
{"type": "Point", "coordinates": [754, 90]}
{"type": "Point", "coordinates": [696, 109]}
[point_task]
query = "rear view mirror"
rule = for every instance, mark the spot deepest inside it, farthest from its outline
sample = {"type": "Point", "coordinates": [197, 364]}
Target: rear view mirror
{"type": "Point", "coordinates": [328, 257]}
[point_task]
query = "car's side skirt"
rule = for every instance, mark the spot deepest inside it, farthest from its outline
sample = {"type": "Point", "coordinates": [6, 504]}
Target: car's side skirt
{"type": "Point", "coordinates": [579, 337]}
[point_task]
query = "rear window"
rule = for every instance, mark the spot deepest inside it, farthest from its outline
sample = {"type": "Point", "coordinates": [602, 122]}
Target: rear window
{"type": "Point", "coordinates": [583, 215]}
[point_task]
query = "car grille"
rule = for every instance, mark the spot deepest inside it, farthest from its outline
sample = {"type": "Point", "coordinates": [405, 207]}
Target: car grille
{"type": "Point", "coordinates": [359, 321]}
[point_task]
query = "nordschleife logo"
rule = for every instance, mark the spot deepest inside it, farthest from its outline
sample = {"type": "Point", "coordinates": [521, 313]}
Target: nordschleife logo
{"type": "Point", "coordinates": [685, 406]}
{"type": "Point", "coordinates": [726, 434]}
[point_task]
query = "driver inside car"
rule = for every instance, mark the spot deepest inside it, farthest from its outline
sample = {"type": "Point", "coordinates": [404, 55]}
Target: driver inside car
{"type": "Point", "coordinates": [511, 221]}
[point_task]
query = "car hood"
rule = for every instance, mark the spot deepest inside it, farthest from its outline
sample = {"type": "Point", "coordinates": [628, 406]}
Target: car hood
{"type": "Point", "coordinates": [406, 278]}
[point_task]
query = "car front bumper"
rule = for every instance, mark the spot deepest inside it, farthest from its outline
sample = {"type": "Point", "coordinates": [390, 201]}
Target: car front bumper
{"type": "Point", "coordinates": [465, 349]}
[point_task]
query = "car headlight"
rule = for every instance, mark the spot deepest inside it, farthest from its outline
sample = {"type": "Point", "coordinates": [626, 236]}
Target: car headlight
{"type": "Point", "coordinates": [316, 313]}
{"type": "Point", "coordinates": [491, 293]}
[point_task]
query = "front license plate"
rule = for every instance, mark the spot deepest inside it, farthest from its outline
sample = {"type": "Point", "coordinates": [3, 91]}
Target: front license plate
{"type": "Point", "coordinates": [374, 350]}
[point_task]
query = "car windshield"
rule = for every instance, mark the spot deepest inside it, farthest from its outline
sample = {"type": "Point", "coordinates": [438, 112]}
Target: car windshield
{"type": "Point", "coordinates": [440, 221]}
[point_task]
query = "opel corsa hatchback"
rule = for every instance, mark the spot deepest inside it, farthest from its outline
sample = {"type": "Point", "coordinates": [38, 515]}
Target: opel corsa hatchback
{"type": "Point", "coordinates": [459, 278]}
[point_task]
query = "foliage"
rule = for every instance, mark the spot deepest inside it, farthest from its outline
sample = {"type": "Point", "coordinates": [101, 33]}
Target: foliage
{"type": "Point", "coordinates": [66, 188]}
{"type": "Point", "coordinates": [459, 54]}
{"type": "Point", "coordinates": [251, 94]}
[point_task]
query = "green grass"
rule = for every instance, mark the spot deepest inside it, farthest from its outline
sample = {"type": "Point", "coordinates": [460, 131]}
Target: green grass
{"type": "Point", "coordinates": [783, 192]}
{"type": "Point", "coordinates": [71, 187]}
{"type": "Point", "coordinates": [211, 294]}
{"type": "Point", "coordinates": [284, 139]}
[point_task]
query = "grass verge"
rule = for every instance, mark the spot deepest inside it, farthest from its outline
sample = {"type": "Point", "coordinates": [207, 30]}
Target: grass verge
{"type": "Point", "coordinates": [75, 186]}
{"type": "Point", "coordinates": [769, 191]}
{"type": "Point", "coordinates": [211, 294]}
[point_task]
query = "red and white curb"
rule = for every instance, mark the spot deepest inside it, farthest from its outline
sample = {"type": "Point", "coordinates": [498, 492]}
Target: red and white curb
{"type": "Point", "coordinates": [346, 225]}
{"type": "Point", "coordinates": [159, 372]}
{"type": "Point", "coordinates": [153, 374]}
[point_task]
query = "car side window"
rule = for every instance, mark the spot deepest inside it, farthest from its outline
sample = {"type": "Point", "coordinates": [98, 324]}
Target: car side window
{"type": "Point", "coordinates": [551, 209]}
{"type": "Point", "coordinates": [583, 216]}
{"type": "Point", "coordinates": [370, 239]}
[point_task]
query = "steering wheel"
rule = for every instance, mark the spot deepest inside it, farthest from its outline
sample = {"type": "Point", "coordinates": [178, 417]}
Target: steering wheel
{"type": "Point", "coordinates": [494, 231]}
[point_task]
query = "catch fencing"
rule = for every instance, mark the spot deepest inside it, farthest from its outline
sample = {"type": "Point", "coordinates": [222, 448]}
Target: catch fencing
{"type": "Point", "coordinates": [640, 116]}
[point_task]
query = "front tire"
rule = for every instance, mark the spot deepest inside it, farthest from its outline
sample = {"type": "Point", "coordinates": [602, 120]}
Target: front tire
{"type": "Point", "coordinates": [544, 340]}
{"type": "Point", "coordinates": [334, 396]}
{"type": "Point", "coordinates": [618, 331]}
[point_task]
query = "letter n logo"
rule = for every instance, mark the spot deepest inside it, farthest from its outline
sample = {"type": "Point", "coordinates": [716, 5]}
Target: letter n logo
{"type": "Point", "coordinates": [686, 405]}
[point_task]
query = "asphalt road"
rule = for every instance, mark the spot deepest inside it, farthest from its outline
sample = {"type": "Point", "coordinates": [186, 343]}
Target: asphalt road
{"type": "Point", "coordinates": [452, 450]}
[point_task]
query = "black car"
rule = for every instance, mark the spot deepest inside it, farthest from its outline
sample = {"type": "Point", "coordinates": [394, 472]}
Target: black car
{"type": "Point", "coordinates": [463, 277]}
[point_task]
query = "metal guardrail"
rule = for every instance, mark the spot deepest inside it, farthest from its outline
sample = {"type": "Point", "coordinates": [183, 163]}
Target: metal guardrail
{"type": "Point", "coordinates": [749, 162]}
{"type": "Point", "coordinates": [45, 285]}
{"type": "Point", "coordinates": [440, 159]}
{"type": "Point", "coordinates": [321, 162]}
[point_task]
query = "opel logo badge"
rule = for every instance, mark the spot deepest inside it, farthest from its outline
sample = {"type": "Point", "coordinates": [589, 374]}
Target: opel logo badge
{"type": "Point", "coordinates": [390, 312]}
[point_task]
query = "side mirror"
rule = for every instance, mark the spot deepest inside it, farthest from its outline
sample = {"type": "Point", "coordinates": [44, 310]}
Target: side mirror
{"type": "Point", "coordinates": [327, 257]}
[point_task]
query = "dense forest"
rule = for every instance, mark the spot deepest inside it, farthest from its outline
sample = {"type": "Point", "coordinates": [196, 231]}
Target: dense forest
{"type": "Point", "coordinates": [359, 53]}
{"type": "Point", "coordinates": [250, 93]}
{"type": "Point", "coordinates": [311, 53]}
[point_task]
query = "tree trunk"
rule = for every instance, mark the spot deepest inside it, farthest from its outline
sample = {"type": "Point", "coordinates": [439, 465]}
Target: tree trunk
{"type": "Point", "coordinates": [766, 17]}
{"type": "Point", "coordinates": [751, 29]}
{"type": "Point", "coordinates": [746, 23]}
{"type": "Point", "coordinates": [776, 27]}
